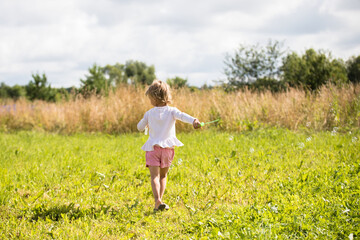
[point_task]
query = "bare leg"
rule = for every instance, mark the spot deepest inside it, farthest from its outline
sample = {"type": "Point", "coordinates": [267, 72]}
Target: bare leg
{"type": "Point", "coordinates": [163, 175]}
{"type": "Point", "coordinates": [155, 184]}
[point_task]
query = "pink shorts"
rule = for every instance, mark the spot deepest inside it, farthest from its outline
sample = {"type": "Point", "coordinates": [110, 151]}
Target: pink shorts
{"type": "Point", "coordinates": [160, 157]}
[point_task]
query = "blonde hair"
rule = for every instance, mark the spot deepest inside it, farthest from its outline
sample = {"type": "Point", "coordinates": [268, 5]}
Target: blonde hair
{"type": "Point", "coordinates": [159, 91]}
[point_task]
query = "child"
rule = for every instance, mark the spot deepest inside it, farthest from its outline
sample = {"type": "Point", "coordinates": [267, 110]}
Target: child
{"type": "Point", "coordinates": [162, 139]}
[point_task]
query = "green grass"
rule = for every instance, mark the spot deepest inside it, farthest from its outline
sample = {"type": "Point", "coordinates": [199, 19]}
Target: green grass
{"type": "Point", "coordinates": [263, 184]}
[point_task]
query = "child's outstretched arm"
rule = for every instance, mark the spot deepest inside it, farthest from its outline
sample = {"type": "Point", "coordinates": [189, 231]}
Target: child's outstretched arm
{"type": "Point", "coordinates": [143, 123]}
{"type": "Point", "coordinates": [184, 117]}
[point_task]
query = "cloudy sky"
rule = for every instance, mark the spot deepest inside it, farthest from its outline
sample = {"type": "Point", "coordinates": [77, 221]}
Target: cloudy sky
{"type": "Point", "coordinates": [186, 38]}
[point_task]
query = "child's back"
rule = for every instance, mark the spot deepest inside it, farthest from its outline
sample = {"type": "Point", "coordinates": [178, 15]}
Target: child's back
{"type": "Point", "coordinates": [161, 122]}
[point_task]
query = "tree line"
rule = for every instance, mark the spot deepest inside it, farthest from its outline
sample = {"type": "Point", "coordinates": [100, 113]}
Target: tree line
{"type": "Point", "coordinates": [269, 68]}
{"type": "Point", "coordinates": [99, 80]}
{"type": "Point", "coordinates": [254, 67]}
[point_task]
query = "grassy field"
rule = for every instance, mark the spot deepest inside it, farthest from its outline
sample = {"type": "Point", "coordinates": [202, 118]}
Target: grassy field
{"type": "Point", "coordinates": [263, 184]}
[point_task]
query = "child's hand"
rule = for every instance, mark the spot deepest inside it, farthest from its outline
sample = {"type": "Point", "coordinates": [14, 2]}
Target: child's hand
{"type": "Point", "coordinates": [196, 124]}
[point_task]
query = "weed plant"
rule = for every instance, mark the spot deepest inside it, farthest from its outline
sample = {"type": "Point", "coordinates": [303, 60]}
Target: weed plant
{"type": "Point", "coordinates": [244, 110]}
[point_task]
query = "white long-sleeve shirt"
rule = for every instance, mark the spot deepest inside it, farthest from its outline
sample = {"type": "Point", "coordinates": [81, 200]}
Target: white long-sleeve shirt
{"type": "Point", "coordinates": [161, 122]}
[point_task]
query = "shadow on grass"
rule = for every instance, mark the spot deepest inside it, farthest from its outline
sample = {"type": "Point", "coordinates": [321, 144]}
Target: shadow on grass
{"type": "Point", "coordinates": [71, 212]}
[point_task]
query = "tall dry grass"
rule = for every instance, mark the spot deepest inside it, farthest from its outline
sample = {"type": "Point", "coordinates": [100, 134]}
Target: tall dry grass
{"type": "Point", "coordinates": [121, 110]}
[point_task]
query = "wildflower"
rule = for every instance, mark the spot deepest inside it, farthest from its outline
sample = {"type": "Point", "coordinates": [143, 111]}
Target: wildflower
{"type": "Point", "coordinates": [334, 131]}
{"type": "Point", "coordinates": [252, 150]}
{"type": "Point", "coordinates": [354, 139]}
{"type": "Point", "coordinates": [231, 138]}
{"type": "Point", "coordinates": [308, 139]}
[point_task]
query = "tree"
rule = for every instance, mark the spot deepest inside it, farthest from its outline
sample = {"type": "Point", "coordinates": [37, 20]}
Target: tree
{"type": "Point", "coordinates": [139, 73]}
{"type": "Point", "coordinates": [4, 90]}
{"type": "Point", "coordinates": [312, 70]}
{"type": "Point", "coordinates": [338, 72]}
{"type": "Point", "coordinates": [206, 87]}
{"type": "Point", "coordinates": [293, 69]}
{"type": "Point", "coordinates": [95, 81]}
{"type": "Point", "coordinates": [40, 89]}
{"type": "Point", "coordinates": [353, 69]}
{"type": "Point", "coordinates": [250, 63]}
{"type": "Point", "coordinates": [263, 84]}
{"type": "Point", "coordinates": [273, 61]}
{"type": "Point", "coordinates": [116, 74]}
{"type": "Point", "coordinates": [16, 92]}
{"type": "Point", "coordinates": [177, 82]}
{"type": "Point", "coordinates": [101, 79]}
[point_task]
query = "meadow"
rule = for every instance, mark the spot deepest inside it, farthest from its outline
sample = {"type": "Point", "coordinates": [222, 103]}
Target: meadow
{"type": "Point", "coordinates": [266, 183]}
{"type": "Point", "coordinates": [119, 112]}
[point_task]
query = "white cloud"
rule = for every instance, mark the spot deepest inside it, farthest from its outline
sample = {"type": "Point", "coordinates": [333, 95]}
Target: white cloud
{"type": "Point", "coordinates": [180, 38]}
{"type": "Point", "coordinates": [305, 19]}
